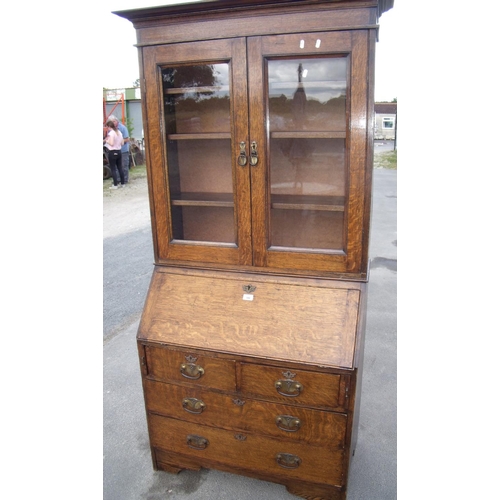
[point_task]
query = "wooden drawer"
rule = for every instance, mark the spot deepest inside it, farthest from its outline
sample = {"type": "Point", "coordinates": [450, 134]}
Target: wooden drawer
{"type": "Point", "coordinates": [247, 451]}
{"type": "Point", "coordinates": [320, 390]}
{"type": "Point", "coordinates": [183, 366]}
{"type": "Point", "coordinates": [230, 412]}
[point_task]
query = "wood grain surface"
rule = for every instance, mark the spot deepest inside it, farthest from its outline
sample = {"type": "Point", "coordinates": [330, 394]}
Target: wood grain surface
{"type": "Point", "coordinates": [247, 451]}
{"type": "Point", "coordinates": [282, 321]}
{"type": "Point", "coordinates": [246, 414]}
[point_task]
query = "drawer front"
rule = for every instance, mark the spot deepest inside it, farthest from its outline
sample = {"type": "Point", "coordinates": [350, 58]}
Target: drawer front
{"type": "Point", "coordinates": [175, 366]}
{"type": "Point", "coordinates": [322, 428]}
{"type": "Point", "coordinates": [247, 451]}
{"type": "Point", "coordinates": [321, 390]}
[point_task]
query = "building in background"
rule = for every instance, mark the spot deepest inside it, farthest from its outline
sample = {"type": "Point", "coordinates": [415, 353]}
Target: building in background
{"type": "Point", "coordinates": [385, 120]}
{"type": "Point", "coordinates": [125, 103]}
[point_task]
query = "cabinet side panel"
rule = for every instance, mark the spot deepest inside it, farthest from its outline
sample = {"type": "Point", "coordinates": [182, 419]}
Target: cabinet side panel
{"type": "Point", "coordinates": [369, 147]}
{"type": "Point", "coordinates": [358, 363]}
{"type": "Point", "coordinates": [357, 149]}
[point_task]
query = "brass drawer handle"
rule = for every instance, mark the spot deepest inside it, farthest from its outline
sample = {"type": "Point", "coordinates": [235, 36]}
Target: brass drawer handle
{"type": "Point", "coordinates": [288, 388]}
{"type": "Point", "coordinates": [197, 442]}
{"type": "Point", "coordinates": [288, 423]}
{"type": "Point", "coordinates": [191, 371]}
{"type": "Point", "coordinates": [288, 461]}
{"type": "Point", "coordinates": [193, 405]}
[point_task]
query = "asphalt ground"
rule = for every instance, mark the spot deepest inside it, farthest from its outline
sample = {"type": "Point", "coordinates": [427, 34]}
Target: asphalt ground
{"type": "Point", "coordinates": [128, 263]}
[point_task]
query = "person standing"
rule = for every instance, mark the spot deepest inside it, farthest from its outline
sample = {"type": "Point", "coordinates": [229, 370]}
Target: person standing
{"type": "Point", "coordinates": [125, 147]}
{"type": "Point", "coordinates": [113, 142]}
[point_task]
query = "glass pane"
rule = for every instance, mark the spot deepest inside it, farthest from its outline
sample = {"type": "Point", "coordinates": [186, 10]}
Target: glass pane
{"type": "Point", "coordinates": [213, 224]}
{"type": "Point", "coordinates": [198, 138]}
{"type": "Point", "coordinates": [307, 125]}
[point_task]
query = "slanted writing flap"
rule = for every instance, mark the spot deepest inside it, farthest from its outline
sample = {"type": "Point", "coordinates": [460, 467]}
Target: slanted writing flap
{"type": "Point", "coordinates": [283, 321]}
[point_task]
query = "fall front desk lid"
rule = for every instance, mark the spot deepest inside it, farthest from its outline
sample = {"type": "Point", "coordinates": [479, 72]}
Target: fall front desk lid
{"type": "Point", "coordinates": [303, 321]}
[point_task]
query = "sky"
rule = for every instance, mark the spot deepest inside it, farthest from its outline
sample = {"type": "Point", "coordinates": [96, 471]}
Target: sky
{"type": "Point", "coordinates": [126, 68]}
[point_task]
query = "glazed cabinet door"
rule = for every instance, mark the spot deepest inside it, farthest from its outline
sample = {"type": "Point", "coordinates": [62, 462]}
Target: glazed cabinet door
{"type": "Point", "coordinates": [197, 129]}
{"type": "Point", "coordinates": [308, 127]}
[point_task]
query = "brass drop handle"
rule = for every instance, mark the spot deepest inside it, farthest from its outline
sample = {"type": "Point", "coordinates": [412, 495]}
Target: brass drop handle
{"type": "Point", "coordinates": [288, 461]}
{"type": "Point", "coordinates": [242, 158]}
{"type": "Point", "coordinates": [288, 423]}
{"type": "Point", "coordinates": [288, 388]}
{"type": "Point", "coordinates": [193, 405]}
{"type": "Point", "coordinates": [254, 158]}
{"type": "Point", "coordinates": [197, 442]}
{"type": "Point", "coordinates": [191, 371]}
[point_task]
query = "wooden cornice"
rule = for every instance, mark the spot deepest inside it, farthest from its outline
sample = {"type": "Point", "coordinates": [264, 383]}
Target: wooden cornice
{"type": "Point", "coordinates": [143, 15]}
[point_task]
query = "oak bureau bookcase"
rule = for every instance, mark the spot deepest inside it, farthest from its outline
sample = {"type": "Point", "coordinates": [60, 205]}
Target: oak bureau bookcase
{"type": "Point", "coordinates": [259, 140]}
